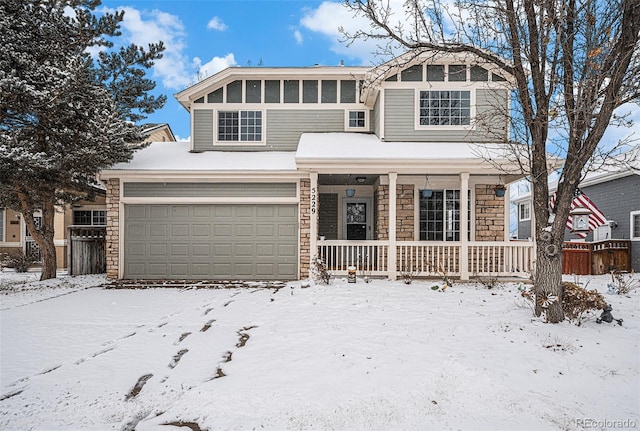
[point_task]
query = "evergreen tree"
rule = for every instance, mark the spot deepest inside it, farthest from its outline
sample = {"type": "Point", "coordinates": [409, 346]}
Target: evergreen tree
{"type": "Point", "coordinates": [62, 115]}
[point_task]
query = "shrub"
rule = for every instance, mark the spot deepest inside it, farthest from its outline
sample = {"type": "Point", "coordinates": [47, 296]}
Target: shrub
{"type": "Point", "coordinates": [19, 260]}
{"type": "Point", "coordinates": [576, 301]}
{"type": "Point", "coordinates": [624, 282]}
{"type": "Point", "coordinates": [320, 272]}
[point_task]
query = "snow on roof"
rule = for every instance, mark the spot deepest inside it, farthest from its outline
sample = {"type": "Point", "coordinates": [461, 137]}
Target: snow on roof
{"type": "Point", "coordinates": [368, 147]}
{"type": "Point", "coordinates": [175, 156]}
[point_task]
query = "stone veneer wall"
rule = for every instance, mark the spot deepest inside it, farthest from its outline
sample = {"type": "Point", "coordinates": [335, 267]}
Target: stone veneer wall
{"type": "Point", "coordinates": [113, 223]}
{"type": "Point", "coordinates": [382, 213]}
{"type": "Point", "coordinates": [404, 212]}
{"type": "Point", "coordinates": [305, 227]}
{"type": "Point", "coordinates": [489, 214]}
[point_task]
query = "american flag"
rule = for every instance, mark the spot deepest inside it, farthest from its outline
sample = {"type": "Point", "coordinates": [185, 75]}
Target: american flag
{"type": "Point", "coordinates": [596, 218]}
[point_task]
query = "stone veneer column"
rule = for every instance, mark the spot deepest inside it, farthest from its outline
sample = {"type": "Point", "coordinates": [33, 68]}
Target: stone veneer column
{"type": "Point", "coordinates": [382, 223]}
{"type": "Point", "coordinates": [113, 227]}
{"type": "Point", "coordinates": [489, 214]}
{"type": "Point", "coordinates": [305, 227]}
{"type": "Point", "coordinates": [405, 212]}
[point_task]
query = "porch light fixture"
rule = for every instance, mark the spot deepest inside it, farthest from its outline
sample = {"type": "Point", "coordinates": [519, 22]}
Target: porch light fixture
{"type": "Point", "coordinates": [361, 180]}
{"type": "Point", "coordinates": [350, 192]}
{"type": "Point", "coordinates": [426, 193]}
{"type": "Point", "coordinates": [580, 222]}
{"type": "Point", "coordinates": [500, 188]}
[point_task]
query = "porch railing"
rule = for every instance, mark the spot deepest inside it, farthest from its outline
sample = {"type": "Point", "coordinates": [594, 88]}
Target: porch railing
{"type": "Point", "coordinates": [430, 258]}
{"type": "Point", "coordinates": [368, 257]}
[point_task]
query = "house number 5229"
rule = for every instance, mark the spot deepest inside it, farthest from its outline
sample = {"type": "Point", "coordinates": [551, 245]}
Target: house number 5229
{"type": "Point", "coordinates": [313, 200]}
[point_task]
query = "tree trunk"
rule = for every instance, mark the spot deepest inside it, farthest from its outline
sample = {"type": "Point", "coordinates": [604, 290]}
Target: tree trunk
{"type": "Point", "coordinates": [43, 236]}
{"type": "Point", "coordinates": [548, 281]}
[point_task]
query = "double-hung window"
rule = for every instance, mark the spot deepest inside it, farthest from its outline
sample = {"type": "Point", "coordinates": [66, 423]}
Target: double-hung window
{"type": "Point", "coordinates": [440, 216]}
{"type": "Point", "coordinates": [635, 225]}
{"type": "Point", "coordinates": [240, 126]}
{"type": "Point", "coordinates": [444, 108]}
{"type": "Point", "coordinates": [524, 211]}
{"type": "Point", "coordinates": [90, 217]}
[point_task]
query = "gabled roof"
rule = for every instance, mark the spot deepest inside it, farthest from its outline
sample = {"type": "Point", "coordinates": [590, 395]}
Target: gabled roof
{"type": "Point", "coordinates": [230, 74]}
{"type": "Point", "coordinates": [150, 128]}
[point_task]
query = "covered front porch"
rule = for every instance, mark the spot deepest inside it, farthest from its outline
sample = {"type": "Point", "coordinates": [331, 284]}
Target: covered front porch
{"type": "Point", "coordinates": [422, 214]}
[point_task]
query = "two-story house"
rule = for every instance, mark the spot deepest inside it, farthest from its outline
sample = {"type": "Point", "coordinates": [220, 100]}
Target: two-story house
{"type": "Point", "coordinates": [381, 168]}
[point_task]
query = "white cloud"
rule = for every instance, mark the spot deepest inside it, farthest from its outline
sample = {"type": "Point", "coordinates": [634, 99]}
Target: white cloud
{"type": "Point", "coordinates": [297, 35]}
{"type": "Point", "coordinates": [144, 27]}
{"type": "Point", "coordinates": [330, 16]}
{"type": "Point", "coordinates": [217, 24]}
{"type": "Point", "coordinates": [213, 66]}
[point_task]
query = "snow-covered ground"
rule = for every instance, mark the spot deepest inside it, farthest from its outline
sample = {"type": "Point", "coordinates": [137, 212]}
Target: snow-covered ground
{"type": "Point", "coordinates": [377, 356]}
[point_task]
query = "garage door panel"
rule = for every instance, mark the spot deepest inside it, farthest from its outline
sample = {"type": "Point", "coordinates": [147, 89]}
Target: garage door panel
{"type": "Point", "coordinates": [201, 230]}
{"type": "Point", "coordinates": [202, 250]}
{"type": "Point", "coordinates": [158, 230]}
{"type": "Point", "coordinates": [211, 241]}
{"type": "Point", "coordinates": [136, 230]}
{"type": "Point", "coordinates": [180, 211]}
{"type": "Point", "coordinates": [179, 230]}
{"type": "Point", "coordinates": [157, 250]}
{"type": "Point", "coordinates": [244, 230]}
{"type": "Point", "coordinates": [223, 230]}
{"type": "Point", "coordinates": [179, 250]}
{"type": "Point", "coordinates": [179, 269]}
{"type": "Point", "coordinates": [158, 269]}
{"type": "Point", "coordinates": [158, 211]}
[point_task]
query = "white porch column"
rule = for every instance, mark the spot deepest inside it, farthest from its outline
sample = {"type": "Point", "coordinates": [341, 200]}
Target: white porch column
{"type": "Point", "coordinates": [392, 256]}
{"type": "Point", "coordinates": [313, 219]}
{"type": "Point", "coordinates": [464, 226]}
{"type": "Point", "coordinates": [507, 213]}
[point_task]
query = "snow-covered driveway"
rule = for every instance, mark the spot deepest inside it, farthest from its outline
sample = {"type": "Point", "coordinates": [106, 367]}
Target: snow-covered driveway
{"type": "Point", "coordinates": [364, 356]}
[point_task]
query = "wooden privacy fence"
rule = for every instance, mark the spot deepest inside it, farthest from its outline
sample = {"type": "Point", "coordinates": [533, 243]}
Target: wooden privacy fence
{"type": "Point", "coordinates": [596, 258]}
{"type": "Point", "coordinates": [87, 252]}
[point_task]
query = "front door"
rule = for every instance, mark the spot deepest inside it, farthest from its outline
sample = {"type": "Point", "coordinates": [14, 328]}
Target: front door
{"type": "Point", "coordinates": [356, 219]}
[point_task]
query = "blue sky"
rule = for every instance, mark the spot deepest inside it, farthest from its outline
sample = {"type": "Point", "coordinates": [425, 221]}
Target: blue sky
{"type": "Point", "coordinates": [206, 36]}
{"type": "Point", "coordinates": [203, 37]}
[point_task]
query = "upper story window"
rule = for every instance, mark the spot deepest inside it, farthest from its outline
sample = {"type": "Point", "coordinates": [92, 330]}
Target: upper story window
{"type": "Point", "coordinates": [444, 108]}
{"type": "Point", "coordinates": [90, 217]}
{"type": "Point", "coordinates": [524, 211]}
{"type": "Point", "coordinates": [242, 126]}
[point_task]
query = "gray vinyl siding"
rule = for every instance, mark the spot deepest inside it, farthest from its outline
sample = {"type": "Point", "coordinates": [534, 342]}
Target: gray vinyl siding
{"type": "Point", "coordinates": [375, 117]}
{"type": "Point", "coordinates": [210, 190]}
{"type": "Point", "coordinates": [399, 111]}
{"type": "Point", "coordinates": [284, 127]}
{"type": "Point", "coordinates": [617, 199]}
{"type": "Point", "coordinates": [202, 129]}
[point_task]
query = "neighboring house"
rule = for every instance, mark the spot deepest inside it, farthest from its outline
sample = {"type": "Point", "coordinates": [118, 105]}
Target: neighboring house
{"type": "Point", "coordinates": [15, 237]}
{"type": "Point", "coordinates": [615, 190]}
{"type": "Point", "coordinates": [286, 164]}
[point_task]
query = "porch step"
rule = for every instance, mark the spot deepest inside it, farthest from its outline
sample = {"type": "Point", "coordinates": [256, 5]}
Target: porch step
{"type": "Point", "coordinates": [193, 284]}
